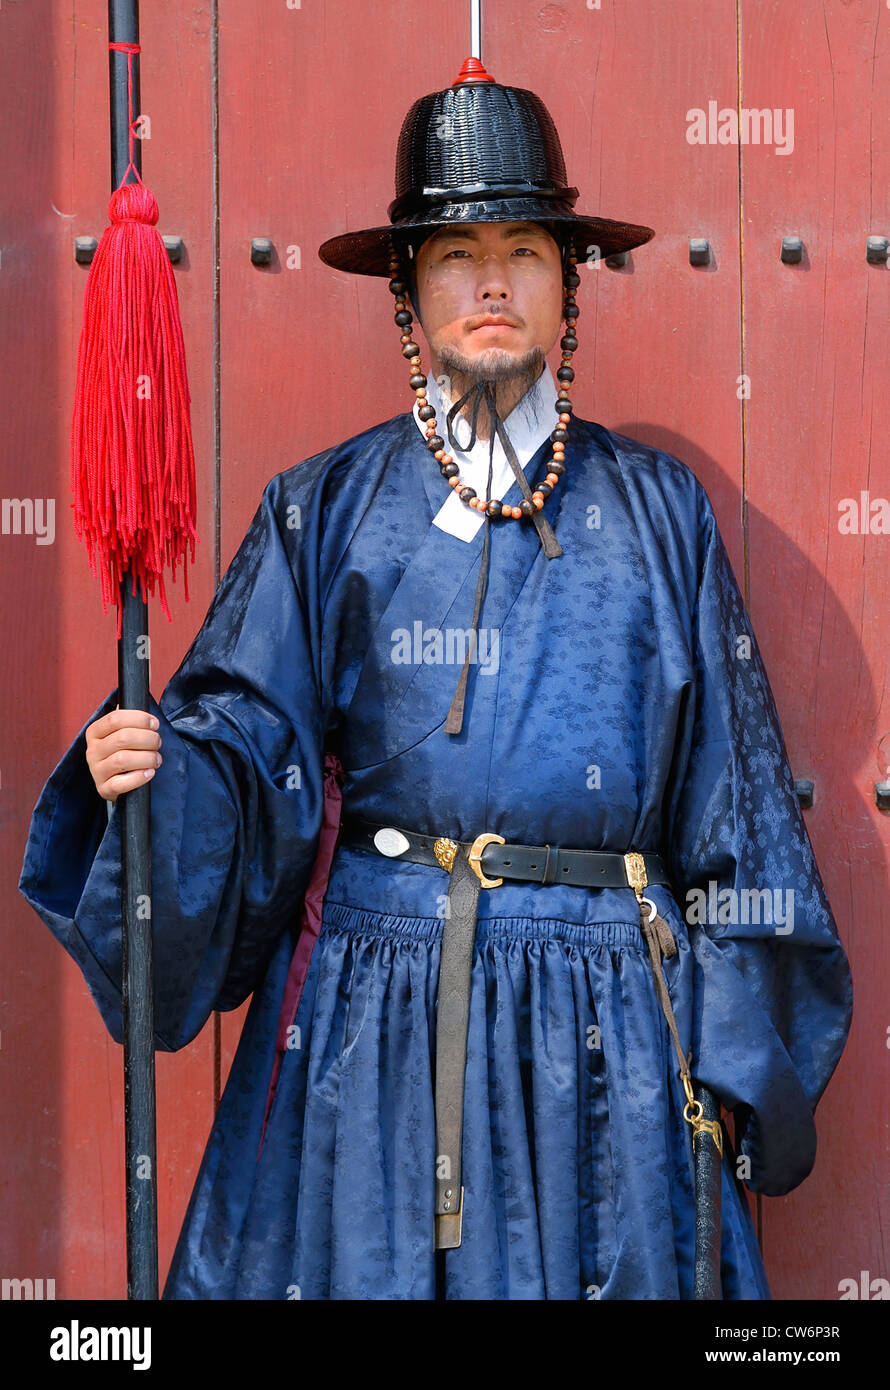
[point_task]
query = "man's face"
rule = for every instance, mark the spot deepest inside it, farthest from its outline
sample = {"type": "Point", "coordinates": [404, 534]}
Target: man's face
{"type": "Point", "coordinates": [467, 275]}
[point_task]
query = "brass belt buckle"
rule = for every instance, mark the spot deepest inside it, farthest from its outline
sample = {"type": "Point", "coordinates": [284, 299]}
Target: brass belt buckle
{"type": "Point", "coordinates": [474, 856]}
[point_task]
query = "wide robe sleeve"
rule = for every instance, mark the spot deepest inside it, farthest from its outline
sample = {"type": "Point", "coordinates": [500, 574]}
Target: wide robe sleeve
{"type": "Point", "coordinates": [236, 805]}
{"type": "Point", "coordinates": [772, 989]}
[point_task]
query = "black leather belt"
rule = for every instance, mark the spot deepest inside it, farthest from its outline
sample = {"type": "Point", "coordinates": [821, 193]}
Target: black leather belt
{"type": "Point", "coordinates": [475, 864]}
{"type": "Point", "coordinates": [493, 859]}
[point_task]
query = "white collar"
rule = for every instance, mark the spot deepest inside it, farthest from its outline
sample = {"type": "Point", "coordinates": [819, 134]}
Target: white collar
{"type": "Point", "coordinates": [529, 424]}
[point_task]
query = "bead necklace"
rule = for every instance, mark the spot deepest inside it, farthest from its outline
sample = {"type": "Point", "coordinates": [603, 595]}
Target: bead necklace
{"type": "Point", "coordinates": [436, 444]}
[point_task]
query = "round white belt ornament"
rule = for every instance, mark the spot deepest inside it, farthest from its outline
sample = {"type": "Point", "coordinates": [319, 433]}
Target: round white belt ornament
{"type": "Point", "coordinates": [391, 841]}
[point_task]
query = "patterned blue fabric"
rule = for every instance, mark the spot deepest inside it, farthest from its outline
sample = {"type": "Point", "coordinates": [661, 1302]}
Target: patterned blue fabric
{"type": "Point", "coordinates": [621, 703]}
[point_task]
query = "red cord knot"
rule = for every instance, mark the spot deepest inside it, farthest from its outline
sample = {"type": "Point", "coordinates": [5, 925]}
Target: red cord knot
{"type": "Point", "coordinates": [133, 202]}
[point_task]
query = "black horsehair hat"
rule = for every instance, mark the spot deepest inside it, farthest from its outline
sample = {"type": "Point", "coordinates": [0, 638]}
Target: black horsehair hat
{"type": "Point", "coordinates": [478, 151]}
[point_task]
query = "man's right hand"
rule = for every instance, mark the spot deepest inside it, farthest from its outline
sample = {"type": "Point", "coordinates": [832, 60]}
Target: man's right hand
{"type": "Point", "coordinates": [122, 751]}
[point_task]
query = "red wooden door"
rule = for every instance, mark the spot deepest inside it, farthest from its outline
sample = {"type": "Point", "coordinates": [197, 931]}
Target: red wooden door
{"type": "Point", "coordinates": [763, 376]}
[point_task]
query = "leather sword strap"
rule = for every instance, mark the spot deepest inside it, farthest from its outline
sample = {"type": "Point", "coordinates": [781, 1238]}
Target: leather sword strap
{"type": "Point", "coordinates": [452, 1021]}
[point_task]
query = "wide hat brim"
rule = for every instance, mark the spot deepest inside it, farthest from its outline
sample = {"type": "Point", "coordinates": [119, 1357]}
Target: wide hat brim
{"type": "Point", "coordinates": [367, 252]}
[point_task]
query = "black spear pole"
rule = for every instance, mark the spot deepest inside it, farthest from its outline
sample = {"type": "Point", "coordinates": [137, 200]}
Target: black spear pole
{"type": "Point", "coordinates": [134, 807]}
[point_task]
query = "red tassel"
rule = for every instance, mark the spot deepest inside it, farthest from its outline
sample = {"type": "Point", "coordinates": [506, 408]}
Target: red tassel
{"type": "Point", "coordinates": [132, 461]}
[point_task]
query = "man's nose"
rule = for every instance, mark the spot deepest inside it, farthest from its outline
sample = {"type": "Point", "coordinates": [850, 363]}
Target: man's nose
{"type": "Point", "coordinates": [493, 281]}
{"type": "Point", "coordinates": [494, 286]}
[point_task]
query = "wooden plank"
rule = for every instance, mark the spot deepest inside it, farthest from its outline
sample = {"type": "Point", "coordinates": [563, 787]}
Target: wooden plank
{"type": "Point", "coordinates": [659, 339]}
{"type": "Point", "coordinates": [659, 335]}
{"type": "Point", "coordinates": [311, 104]}
{"type": "Point", "coordinates": [62, 1160]}
{"type": "Point", "coordinates": [816, 344]}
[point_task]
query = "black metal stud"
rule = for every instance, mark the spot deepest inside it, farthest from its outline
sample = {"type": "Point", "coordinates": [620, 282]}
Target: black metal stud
{"type": "Point", "coordinates": [805, 792]}
{"type": "Point", "coordinates": [84, 249]}
{"type": "Point", "coordinates": [261, 250]}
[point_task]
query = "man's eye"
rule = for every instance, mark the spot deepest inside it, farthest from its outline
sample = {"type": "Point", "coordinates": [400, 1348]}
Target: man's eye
{"type": "Point", "coordinates": [459, 251]}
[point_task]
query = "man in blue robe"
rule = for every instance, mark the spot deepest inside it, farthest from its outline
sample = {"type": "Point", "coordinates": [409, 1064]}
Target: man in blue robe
{"type": "Point", "coordinates": [612, 699]}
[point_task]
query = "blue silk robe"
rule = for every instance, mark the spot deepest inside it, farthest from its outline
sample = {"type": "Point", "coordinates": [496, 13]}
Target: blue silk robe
{"type": "Point", "coordinates": [618, 710]}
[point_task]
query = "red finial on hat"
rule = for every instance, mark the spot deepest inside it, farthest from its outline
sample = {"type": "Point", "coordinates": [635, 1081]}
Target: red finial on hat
{"type": "Point", "coordinates": [472, 71]}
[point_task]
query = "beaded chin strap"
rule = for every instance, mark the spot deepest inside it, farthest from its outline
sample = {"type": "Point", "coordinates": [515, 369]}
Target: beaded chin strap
{"type": "Point", "coordinates": [491, 508]}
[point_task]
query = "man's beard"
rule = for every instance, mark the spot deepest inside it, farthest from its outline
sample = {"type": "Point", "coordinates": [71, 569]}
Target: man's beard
{"type": "Point", "coordinates": [511, 378]}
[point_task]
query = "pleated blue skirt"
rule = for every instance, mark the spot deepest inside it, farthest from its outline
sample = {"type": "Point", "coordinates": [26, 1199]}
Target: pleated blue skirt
{"type": "Point", "coordinates": [577, 1167]}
